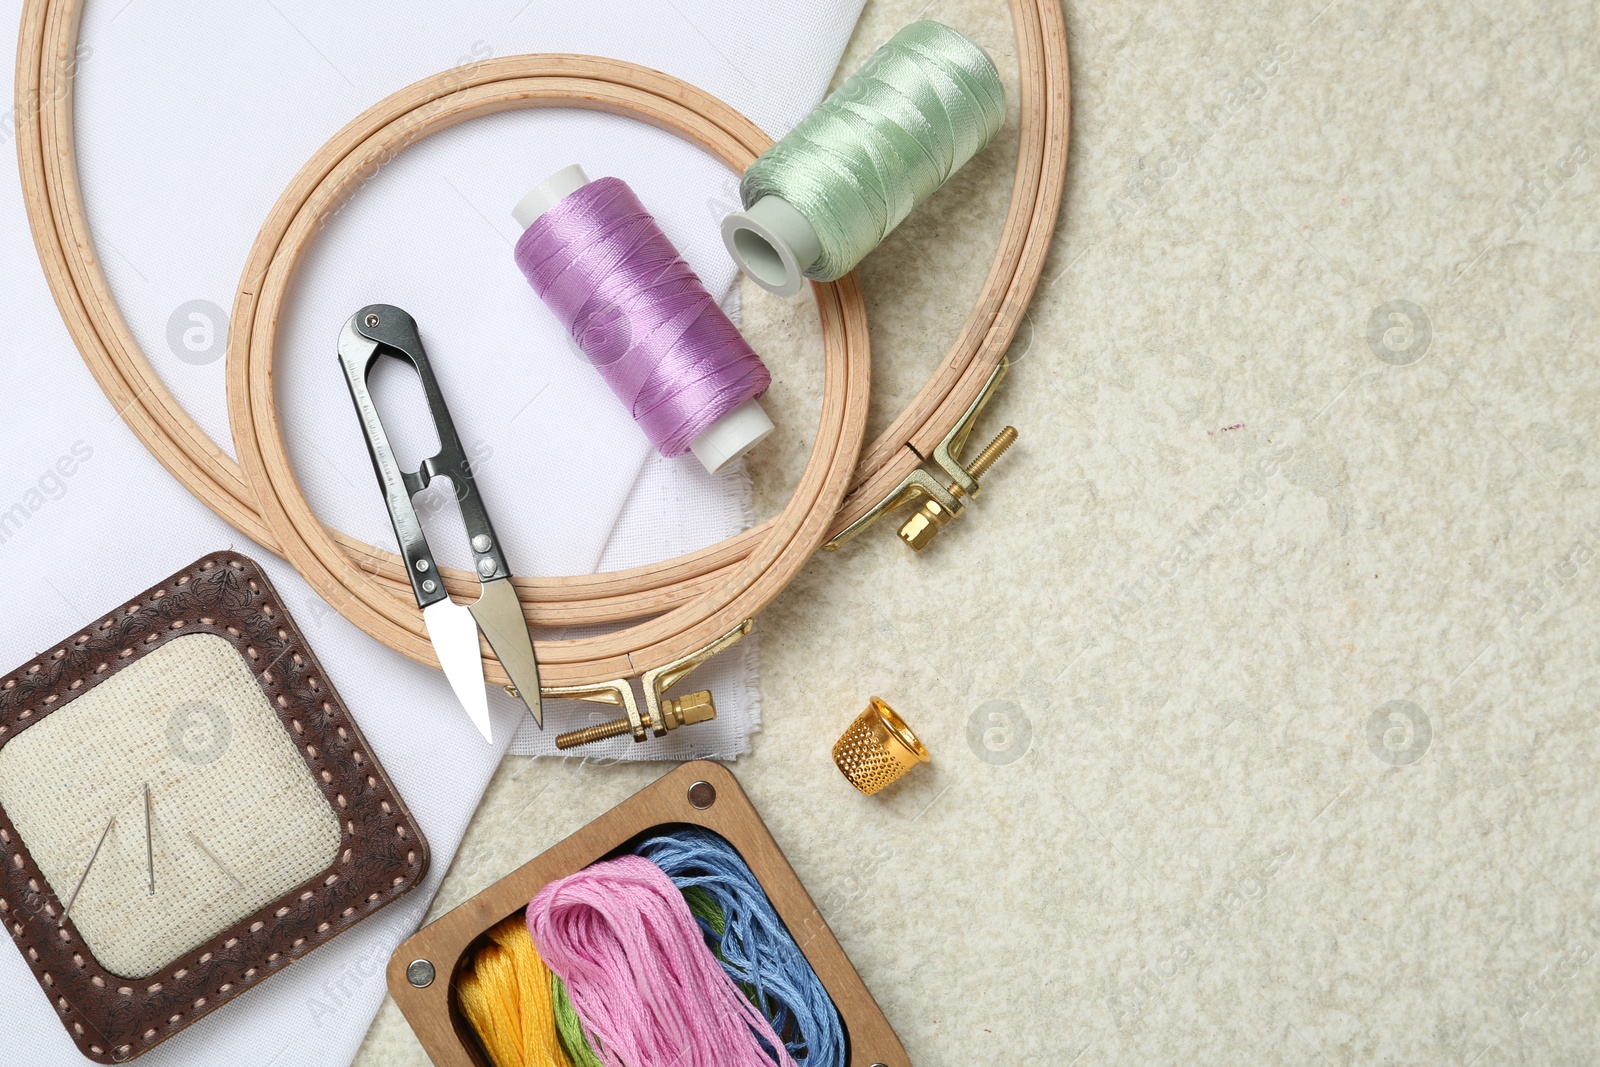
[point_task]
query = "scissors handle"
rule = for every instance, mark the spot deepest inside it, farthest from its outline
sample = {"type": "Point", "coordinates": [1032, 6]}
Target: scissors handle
{"type": "Point", "coordinates": [383, 329]}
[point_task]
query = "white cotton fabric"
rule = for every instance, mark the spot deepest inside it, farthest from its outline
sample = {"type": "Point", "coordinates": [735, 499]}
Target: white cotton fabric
{"type": "Point", "coordinates": [192, 118]}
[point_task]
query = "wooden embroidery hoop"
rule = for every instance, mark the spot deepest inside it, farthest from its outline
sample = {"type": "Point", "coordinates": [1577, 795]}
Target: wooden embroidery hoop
{"type": "Point", "coordinates": [688, 602]}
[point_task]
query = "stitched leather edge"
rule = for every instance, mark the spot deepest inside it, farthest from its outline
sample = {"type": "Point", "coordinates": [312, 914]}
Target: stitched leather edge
{"type": "Point", "coordinates": [382, 855]}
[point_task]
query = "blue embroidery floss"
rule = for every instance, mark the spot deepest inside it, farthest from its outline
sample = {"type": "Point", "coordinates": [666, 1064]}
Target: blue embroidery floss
{"type": "Point", "coordinates": [755, 948]}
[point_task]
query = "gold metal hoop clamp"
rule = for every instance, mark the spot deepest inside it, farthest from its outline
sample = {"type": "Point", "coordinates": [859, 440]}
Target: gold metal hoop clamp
{"type": "Point", "coordinates": [941, 503]}
{"type": "Point", "coordinates": [661, 713]}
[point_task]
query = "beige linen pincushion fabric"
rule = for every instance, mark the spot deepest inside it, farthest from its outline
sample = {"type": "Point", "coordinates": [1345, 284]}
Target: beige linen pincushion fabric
{"type": "Point", "coordinates": [237, 819]}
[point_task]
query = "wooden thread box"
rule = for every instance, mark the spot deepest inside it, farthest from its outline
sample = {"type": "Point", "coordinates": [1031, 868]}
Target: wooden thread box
{"type": "Point", "coordinates": [696, 794]}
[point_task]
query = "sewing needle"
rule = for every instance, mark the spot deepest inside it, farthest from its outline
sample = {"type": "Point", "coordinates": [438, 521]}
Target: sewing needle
{"type": "Point", "coordinates": [85, 877]}
{"type": "Point", "coordinates": [212, 856]}
{"type": "Point", "coordinates": [149, 841]}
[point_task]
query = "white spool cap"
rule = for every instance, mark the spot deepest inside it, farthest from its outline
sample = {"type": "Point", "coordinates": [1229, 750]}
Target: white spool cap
{"type": "Point", "coordinates": [729, 437]}
{"type": "Point", "coordinates": [547, 193]}
{"type": "Point", "coordinates": [772, 243]}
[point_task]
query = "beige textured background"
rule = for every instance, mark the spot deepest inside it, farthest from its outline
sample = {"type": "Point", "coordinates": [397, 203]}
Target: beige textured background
{"type": "Point", "coordinates": [1175, 812]}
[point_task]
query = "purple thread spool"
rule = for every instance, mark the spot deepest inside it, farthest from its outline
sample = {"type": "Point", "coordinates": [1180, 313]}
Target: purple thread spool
{"type": "Point", "coordinates": [635, 309]}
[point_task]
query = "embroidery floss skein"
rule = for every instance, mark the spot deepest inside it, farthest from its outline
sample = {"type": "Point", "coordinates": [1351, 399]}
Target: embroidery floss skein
{"type": "Point", "coordinates": [828, 193]}
{"type": "Point", "coordinates": [506, 995]}
{"type": "Point", "coordinates": [570, 1027]}
{"type": "Point", "coordinates": [640, 976]}
{"type": "Point", "coordinates": [753, 944]}
{"type": "Point", "coordinates": [638, 312]}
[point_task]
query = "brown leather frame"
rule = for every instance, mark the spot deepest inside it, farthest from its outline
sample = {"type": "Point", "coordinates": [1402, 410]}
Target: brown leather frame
{"type": "Point", "coordinates": [382, 854]}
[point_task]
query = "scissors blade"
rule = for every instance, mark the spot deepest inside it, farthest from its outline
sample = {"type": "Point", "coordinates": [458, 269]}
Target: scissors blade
{"type": "Point", "coordinates": [499, 615]}
{"type": "Point", "coordinates": [454, 634]}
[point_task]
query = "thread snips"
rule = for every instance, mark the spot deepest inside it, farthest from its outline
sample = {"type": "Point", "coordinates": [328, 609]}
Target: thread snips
{"type": "Point", "coordinates": [384, 330]}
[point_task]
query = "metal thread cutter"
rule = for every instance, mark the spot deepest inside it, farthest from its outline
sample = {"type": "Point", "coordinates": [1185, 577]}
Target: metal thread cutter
{"type": "Point", "coordinates": [382, 329]}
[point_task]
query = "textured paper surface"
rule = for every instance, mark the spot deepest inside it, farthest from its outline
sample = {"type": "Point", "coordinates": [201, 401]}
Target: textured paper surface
{"type": "Point", "coordinates": [555, 456]}
{"type": "Point", "coordinates": [225, 103]}
{"type": "Point", "coordinates": [1179, 820]}
{"type": "Point", "coordinates": [176, 194]}
{"type": "Point", "coordinates": [236, 819]}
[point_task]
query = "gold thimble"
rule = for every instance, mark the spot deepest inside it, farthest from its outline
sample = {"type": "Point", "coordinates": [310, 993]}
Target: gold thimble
{"type": "Point", "coordinates": [877, 748]}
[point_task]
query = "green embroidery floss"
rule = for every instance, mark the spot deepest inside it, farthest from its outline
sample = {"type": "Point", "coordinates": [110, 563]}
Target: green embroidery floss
{"type": "Point", "coordinates": [828, 193]}
{"type": "Point", "coordinates": [569, 1028]}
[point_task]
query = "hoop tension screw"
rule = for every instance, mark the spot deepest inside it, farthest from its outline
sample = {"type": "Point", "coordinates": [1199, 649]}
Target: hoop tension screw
{"type": "Point", "coordinates": [929, 519]}
{"type": "Point", "coordinates": [684, 711]}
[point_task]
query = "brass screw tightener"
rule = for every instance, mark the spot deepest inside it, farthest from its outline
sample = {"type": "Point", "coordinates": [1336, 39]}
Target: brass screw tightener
{"type": "Point", "coordinates": [929, 519]}
{"type": "Point", "coordinates": [683, 711]}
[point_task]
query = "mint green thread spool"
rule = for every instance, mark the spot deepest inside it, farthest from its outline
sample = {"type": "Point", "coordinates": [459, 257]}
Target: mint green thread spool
{"type": "Point", "coordinates": [828, 193]}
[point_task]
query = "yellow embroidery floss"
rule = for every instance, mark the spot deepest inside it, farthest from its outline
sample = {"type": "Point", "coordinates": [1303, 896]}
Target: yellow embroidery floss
{"type": "Point", "coordinates": [505, 994]}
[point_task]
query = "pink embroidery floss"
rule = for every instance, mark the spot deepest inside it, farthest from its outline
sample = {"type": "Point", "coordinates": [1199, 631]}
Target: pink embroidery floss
{"type": "Point", "coordinates": [638, 312]}
{"type": "Point", "coordinates": [639, 974]}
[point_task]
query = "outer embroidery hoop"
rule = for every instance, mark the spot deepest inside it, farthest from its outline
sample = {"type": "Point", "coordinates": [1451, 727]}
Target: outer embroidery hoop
{"type": "Point", "coordinates": [707, 596]}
